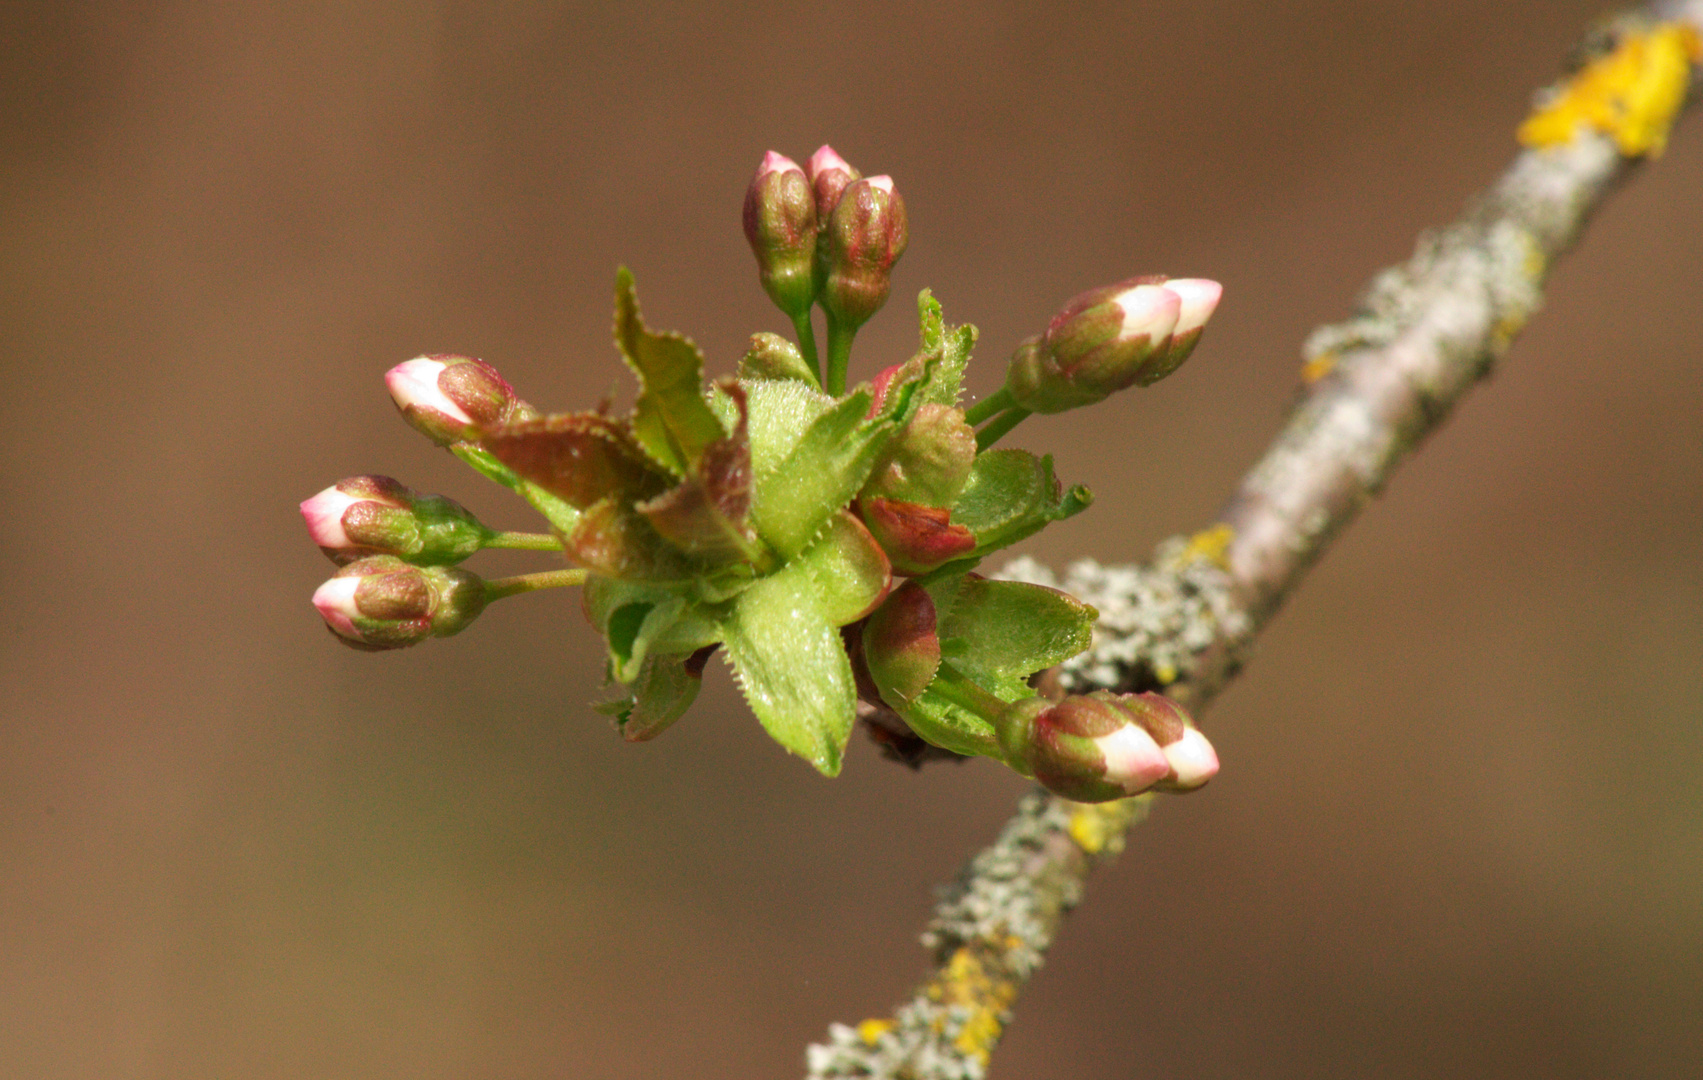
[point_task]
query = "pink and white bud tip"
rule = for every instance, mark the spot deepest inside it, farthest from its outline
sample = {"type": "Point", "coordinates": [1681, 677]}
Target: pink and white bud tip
{"type": "Point", "coordinates": [414, 383]}
{"type": "Point", "coordinates": [324, 516]}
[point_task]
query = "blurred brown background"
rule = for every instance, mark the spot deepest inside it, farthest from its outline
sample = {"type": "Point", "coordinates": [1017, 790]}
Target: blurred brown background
{"type": "Point", "coordinates": [1460, 828]}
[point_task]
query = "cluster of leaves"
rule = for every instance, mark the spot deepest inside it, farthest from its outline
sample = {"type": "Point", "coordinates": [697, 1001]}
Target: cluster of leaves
{"type": "Point", "coordinates": [768, 519]}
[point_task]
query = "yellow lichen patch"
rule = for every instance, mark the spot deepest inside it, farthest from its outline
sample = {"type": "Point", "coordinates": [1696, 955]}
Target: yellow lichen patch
{"type": "Point", "coordinates": [1210, 545]}
{"type": "Point", "coordinates": [1100, 827]}
{"type": "Point", "coordinates": [1631, 94]}
{"type": "Point", "coordinates": [1505, 331]}
{"type": "Point", "coordinates": [1318, 367]}
{"type": "Point", "coordinates": [870, 1031]}
{"type": "Point", "coordinates": [983, 995]}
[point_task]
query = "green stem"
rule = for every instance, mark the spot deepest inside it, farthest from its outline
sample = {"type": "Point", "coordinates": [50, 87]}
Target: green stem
{"type": "Point", "coordinates": [988, 406]}
{"type": "Point", "coordinates": [483, 462]}
{"type": "Point", "coordinates": [523, 541]}
{"type": "Point", "coordinates": [807, 342]}
{"type": "Point", "coordinates": [998, 426]}
{"type": "Point", "coordinates": [839, 353]}
{"type": "Point", "coordinates": [497, 588]}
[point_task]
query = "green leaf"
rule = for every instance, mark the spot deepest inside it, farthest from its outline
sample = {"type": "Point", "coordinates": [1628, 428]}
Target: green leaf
{"type": "Point", "coordinates": [670, 420]}
{"type": "Point", "coordinates": [790, 662]}
{"type": "Point", "coordinates": [951, 344]}
{"type": "Point", "coordinates": [666, 686]}
{"type": "Point", "coordinates": [950, 714]}
{"type": "Point", "coordinates": [1012, 494]}
{"type": "Point", "coordinates": [781, 410]}
{"type": "Point", "coordinates": [691, 627]}
{"type": "Point", "coordinates": [580, 458]}
{"type": "Point", "coordinates": [706, 516]}
{"type": "Point", "coordinates": [632, 628]}
{"type": "Point", "coordinates": [821, 473]}
{"type": "Point", "coordinates": [998, 633]}
{"type": "Point", "coordinates": [848, 569]}
{"type": "Point", "coordinates": [613, 540]}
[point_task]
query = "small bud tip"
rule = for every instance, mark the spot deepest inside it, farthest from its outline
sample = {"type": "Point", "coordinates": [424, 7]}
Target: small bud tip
{"type": "Point", "coordinates": [324, 516]}
{"type": "Point", "coordinates": [1199, 298]}
{"type": "Point", "coordinates": [1192, 759]}
{"type": "Point", "coordinates": [883, 184]}
{"type": "Point", "coordinates": [825, 160]}
{"type": "Point", "coordinates": [774, 162]}
{"type": "Point", "coordinates": [415, 382]}
{"type": "Point", "coordinates": [336, 603]}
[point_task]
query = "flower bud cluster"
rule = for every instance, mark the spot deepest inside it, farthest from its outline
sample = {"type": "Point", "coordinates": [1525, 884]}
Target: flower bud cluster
{"type": "Point", "coordinates": [821, 538]}
{"type": "Point", "coordinates": [1133, 333]}
{"type": "Point", "coordinates": [824, 234]}
{"type": "Point", "coordinates": [1102, 746]}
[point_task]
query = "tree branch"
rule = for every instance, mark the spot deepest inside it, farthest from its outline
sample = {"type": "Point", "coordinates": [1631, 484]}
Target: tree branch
{"type": "Point", "coordinates": [1374, 387]}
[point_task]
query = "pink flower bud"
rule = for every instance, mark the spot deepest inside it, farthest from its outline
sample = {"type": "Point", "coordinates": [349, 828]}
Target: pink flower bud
{"type": "Point", "coordinates": [780, 225]}
{"type": "Point", "coordinates": [865, 237]}
{"type": "Point", "coordinates": [1105, 746]}
{"type": "Point", "coordinates": [450, 398]}
{"type": "Point", "coordinates": [382, 602]}
{"type": "Point", "coordinates": [916, 538]}
{"type": "Point", "coordinates": [374, 515]}
{"type": "Point", "coordinates": [1133, 333]}
{"type": "Point", "coordinates": [829, 173]}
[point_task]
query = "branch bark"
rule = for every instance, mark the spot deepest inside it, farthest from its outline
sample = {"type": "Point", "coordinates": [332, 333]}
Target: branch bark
{"type": "Point", "coordinates": [1374, 387]}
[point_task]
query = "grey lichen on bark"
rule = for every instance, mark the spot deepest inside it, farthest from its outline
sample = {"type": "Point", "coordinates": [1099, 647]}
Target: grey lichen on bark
{"type": "Point", "coordinates": [1374, 386]}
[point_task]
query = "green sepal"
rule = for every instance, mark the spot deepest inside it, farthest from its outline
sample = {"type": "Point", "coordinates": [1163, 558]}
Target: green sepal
{"type": "Point", "coordinates": [827, 467]}
{"type": "Point", "coordinates": [664, 689]}
{"type": "Point", "coordinates": [1012, 494]}
{"type": "Point", "coordinates": [670, 419]}
{"type": "Point", "coordinates": [789, 660]}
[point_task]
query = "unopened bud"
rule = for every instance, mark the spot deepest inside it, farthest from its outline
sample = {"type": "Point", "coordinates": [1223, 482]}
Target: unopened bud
{"type": "Point", "coordinates": [930, 461]}
{"type": "Point", "coordinates": [1133, 333]}
{"type": "Point", "coordinates": [916, 538]}
{"type": "Point", "coordinates": [829, 174]}
{"type": "Point", "coordinates": [382, 602]}
{"type": "Point", "coordinates": [770, 356]}
{"type": "Point", "coordinates": [780, 225]}
{"type": "Point", "coordinates": [900, 645]}
{"type": "Point", "coordinates": [1105, 746]}
{"type": "Point", "coordinates": [450, 398]}
{"type": "Point", "coordinates": [375, 515]}
{"type": "Point", "coordinates": [865, 237]}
